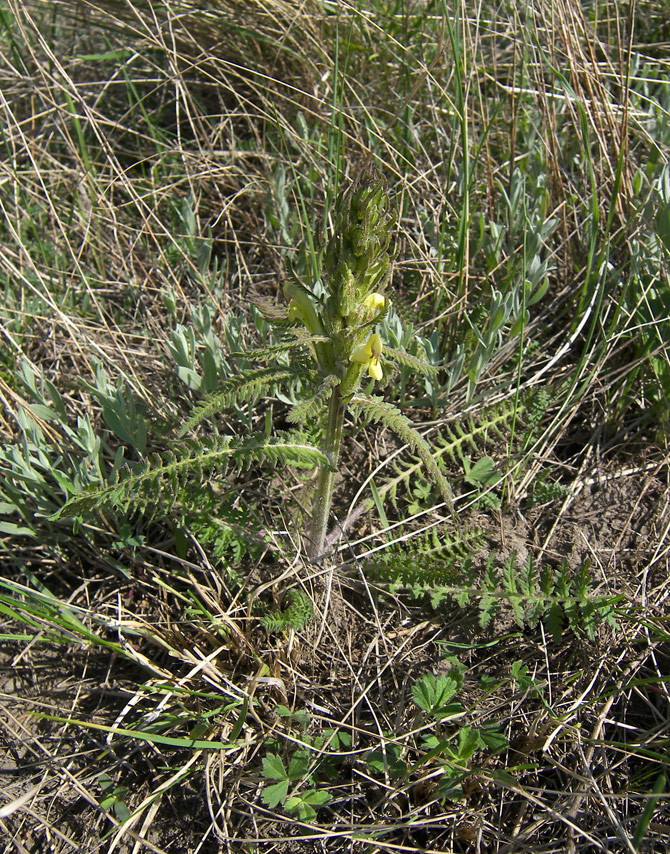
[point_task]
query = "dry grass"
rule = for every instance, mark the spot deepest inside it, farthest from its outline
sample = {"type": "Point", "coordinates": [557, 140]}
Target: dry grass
{"type": "Point", "coordinates": [136, 136]}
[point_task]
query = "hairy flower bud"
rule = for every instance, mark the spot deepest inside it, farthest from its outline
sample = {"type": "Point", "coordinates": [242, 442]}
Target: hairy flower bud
{"type": "Point", "coordinates": [357, 260]}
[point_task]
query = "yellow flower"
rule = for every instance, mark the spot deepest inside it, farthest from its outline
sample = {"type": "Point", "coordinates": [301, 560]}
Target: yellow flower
{"type": "Point", "coordinates": [369, 355]}
{"type": "Point", "coordinates": [374, 304]}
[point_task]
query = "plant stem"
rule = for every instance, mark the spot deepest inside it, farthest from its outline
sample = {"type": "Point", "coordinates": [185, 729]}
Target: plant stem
{"type": "Point", "coordinates": [326, 482]}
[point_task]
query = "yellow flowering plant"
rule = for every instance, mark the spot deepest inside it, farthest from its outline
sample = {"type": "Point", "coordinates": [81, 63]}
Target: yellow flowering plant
{"type": "Point", "coordinates": [357, 266]}
{"type": "Point", "coordinates": [328, 344]}
{"type": "Point", "coordinates": [356, 270]}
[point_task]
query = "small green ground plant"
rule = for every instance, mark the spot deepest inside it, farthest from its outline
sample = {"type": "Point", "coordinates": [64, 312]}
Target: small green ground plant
{"type": "Point", "coordinates": [441, 746]}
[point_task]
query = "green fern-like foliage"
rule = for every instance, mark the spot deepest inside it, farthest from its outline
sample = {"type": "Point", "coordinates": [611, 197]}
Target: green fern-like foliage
{"type": "Point", "coordinates": [272, 351]}
{"type": "Point", "coordinates": [458, 439]}
{"type": "Point", "coordinates": [432, 564]}
{"type": "Point", "coordinates": [554, 596]}
{"type": "Point", "coordinates": [454, 444]}
{"type": "Point", "coordinates": [379, 410]}
{"type": "Point", "coordinates": [462, 447]}
{"type": "Point", "coordinates": [536, 402]}
{"type": "Point", "coordinates": [230, 528]}
{"type": "Point", "coordinates": [313, 406]}
{"type": "Point", "coordinates": [407, 360]}
{"type": "Point", "coordinates": [543, 491]}
{"type": "Point", "coordinates": [245, 388]}
{"type": "Point", "coordinates": [296, 616]}
{"type": "Point", "coordinates": [441, 566]}
{"type": "Point", "coordinates": [158, 481]}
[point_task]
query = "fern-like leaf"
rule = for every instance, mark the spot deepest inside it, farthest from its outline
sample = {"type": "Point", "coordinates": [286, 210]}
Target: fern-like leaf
{"type": "Point", "coordinates": [241, 389]}
{"type": "Point", "coordinates": [296, 616]}
{"type": "Point", "coordinates": [271, 310]}
{"type": "Point", "coordinates": [310, 408]}
{"type": "Point", "coordinates": [412, 362]}
{"type": "Point", "coordinates": [154, 483]}
{"type": "Point", "coordinates": [488, 602]}
{"type": "Point", "coordinates": [377, 409]}
{"type": "Point", "coordinates": [435, 559]}
{"type": "Point", "coordinates": [265, 354]}
{"type": "Point", "coordinates": [453, 443]}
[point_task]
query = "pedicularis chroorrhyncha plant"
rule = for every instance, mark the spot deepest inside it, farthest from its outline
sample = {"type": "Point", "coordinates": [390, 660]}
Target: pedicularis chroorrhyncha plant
{"type": "Point", "coordinates": [356, 270]}
{"type": "Point", "coordinates": [327, 350]}
{"type": "Point", "coordinates": [357, 267]}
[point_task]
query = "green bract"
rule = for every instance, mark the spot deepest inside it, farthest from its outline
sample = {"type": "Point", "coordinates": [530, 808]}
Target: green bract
{"type": "Point", "coordinates": [357, 266]}
{"type": "Point", "coordinates": [358, 262]}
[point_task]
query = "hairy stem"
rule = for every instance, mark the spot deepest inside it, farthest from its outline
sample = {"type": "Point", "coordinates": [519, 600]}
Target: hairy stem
{"type": "Point", "coordinates": [326, 482]}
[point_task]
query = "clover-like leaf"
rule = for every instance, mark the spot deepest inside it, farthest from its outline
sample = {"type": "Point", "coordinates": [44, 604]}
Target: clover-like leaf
{"type": "Point", "coordinates": [306, 803]}
{"type": "Point", "coordinates": [273, 767]}
{"type": "Point", "coordinates": [275, 794]}
{"type": "Point", "coordinates": [433, 693]}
